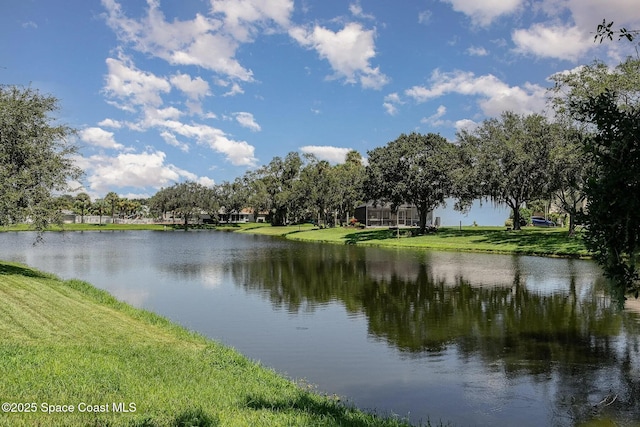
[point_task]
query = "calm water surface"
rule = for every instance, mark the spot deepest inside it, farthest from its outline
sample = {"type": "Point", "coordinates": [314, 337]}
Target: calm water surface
{"type": "Point", "coordinates": [470, 339]}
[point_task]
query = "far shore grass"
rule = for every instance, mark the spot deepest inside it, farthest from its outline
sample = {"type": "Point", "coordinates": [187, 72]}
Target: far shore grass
{"type": "Point", "coordinates": [537, 241]}
{"type": "Point", "coordinates": [67, 343]}
{"type": "Point", "coordinates": [88, 227]}
{"type": "Point", "coordinates": [528, 241]}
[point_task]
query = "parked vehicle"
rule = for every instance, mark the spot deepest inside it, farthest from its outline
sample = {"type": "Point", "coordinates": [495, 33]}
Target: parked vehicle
{"type": "Point", "coordinates": [539, 221]}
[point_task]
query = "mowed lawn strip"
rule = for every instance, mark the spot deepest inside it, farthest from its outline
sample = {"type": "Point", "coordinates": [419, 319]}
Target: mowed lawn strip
{"type": "Point", "coordinates": [529, 241]}
{"type": "Point", "coordinates": [67, 343]}
{"type": "Point", "coordinates": [89, 227]}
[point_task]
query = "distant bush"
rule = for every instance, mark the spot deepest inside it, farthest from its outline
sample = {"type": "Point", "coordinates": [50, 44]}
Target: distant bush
{"type": "Point", "coordinates": [560, 219]}
{"type": "Point", "coordinates": [525, 217]}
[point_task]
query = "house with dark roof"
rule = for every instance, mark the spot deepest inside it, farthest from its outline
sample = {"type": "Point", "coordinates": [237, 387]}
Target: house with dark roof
{"type": "Point", "coordinates": [381, 215]}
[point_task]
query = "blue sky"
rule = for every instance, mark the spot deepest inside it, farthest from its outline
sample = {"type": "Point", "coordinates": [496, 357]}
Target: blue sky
{"type": "Point", "coordinates": [166, 91]}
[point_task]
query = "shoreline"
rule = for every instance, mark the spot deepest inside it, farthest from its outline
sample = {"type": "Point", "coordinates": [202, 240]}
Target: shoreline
{"type": "Point", "coordinates": [74, 355]}
{"type": "Point", "coordinates": [532, 241]}
{"type": "Point", "coordinates": [543, 242]}
{"type": "Point", "coordinates": [109, 355]}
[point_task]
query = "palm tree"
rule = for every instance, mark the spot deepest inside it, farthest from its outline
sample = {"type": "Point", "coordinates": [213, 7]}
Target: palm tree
{"type": "Point", "coordinates": [99, 207]}
{"type": "Point", "coordinates": [112, 200]}
{"type": "Point", "coordinates": [83, 202]}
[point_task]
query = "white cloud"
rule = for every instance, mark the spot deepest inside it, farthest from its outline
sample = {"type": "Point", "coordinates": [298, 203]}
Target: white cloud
{"type": "Point", "coordinates": [171, 139]}
{"type": "Point", "coordinates": [154, 116]}
{"type": "Point", "coordinates": [466, 124]}
{"type": "Point", "coordinates": [144, 170]}
{"type": "Point", "coordinates": [239, 153]}
{"type": "Point", "coordinates": [247, 120]}
{"type": "Point", "coordinates": [575, 37]}
{"type": "Point", "coordinates": [356, 10]}
{"type": "Point", "coordinates": [133, 87]}
{"type": "Point", "coordinates": [391, 103]}
{"type": "Point", "coordinates": [197, 42]}
{"type": "Point", "coordinates": [434, 119]}
{"type": "Point", "coordinates": [236, 89]}
{"type": "Point", "coordinates": [214, 52]}
{"type": "Point", "coordinates": [424, 17]}
{"type": "Point", "coordinates": [390, 108]}
{"type": "Point", "coordinates": [477, 51]}
{"type": "Point", "coordinates": [110, 123]}
{"type": "Point", "coordinates": [587, 14]}
{"type": "Point", "coordinates": [484, 12]}
{"type": "Point", "coordinates": [206, 181]}
{"type": "Point", "coordinates": [135, 90]}
{"type": "Point", "coordinates": [561, 42]}
{"type": "Point", "coordinates": [327, 152]}
{"type": "Point", "coordinates": [99, 137]}
{"type": "Point", "coordinates": [494, 96]}
{"type": "Point", "coordinates": [349, 52]}
{"type": "Point", "coordinates": [243, 17]}
{"type": "Point", "coordinates": [194, 88]}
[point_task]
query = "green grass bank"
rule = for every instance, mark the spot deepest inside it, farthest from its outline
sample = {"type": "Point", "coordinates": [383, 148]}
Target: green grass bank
{"type": "Point", "coordinates": [528, 241]}
{"type": "Point", "coordinates": [67, 346]}
{"type": "Point", "coordinates": [89, 227]}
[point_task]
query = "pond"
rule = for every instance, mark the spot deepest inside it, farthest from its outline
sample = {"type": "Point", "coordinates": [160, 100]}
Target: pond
{"type": "Point", "coordinates": [471, 339]}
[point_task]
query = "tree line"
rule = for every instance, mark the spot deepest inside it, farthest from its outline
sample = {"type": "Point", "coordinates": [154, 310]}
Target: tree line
{"type": "Point", "coordinates": [584, 153]}
{"type": "Point", "coordinates": [514, 159]}
{"type": "Point", "coordinates": [292, 189]}
{"type": "Point", "coordinates": [110, 205]}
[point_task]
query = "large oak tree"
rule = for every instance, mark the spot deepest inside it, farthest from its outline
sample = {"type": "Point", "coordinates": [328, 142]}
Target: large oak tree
{"type": "Point", "coordinates": [349, 182]}
{"type": "Point", "coordinates": [509, 159]}
{"type": "Point", "coordinates": [279, 178]}
{"type": "Point", "coordinates": [185, 200]}
{"type": "Point", "coordinates": [414, 169]}
{"type": "Point", "coordinates": [36, 157]}
{"type": "Point", "coordinates": [613, 191]}
{"type": "Point", "coordinates": [604, 102]}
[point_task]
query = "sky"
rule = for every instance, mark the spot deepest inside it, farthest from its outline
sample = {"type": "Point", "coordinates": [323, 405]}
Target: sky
{"type": "Point", "coordinates": [165, 91]}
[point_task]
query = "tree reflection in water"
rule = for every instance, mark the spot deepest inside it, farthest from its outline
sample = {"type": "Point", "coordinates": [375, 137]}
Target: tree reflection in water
{"type": "Point", "coordinates": [483, 305]}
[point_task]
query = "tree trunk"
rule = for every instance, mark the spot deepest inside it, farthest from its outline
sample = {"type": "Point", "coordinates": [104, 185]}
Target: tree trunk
{"type": "Point", "coordinates": [572, 224]}
{"type": "Point", "coordinates": [278, 217]}
{"type": "Point", "coordinates": [422, 213]}
{"type": "Point", "coordinates": [516, 216]}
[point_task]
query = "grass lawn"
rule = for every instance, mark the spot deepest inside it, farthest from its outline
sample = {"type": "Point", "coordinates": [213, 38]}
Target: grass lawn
{"type": "Point", "coordinates": [529, 241]}
{"type": "Point", "coordinates": [88, 227]}
{"type": "Point", "coordinates": [268, 230]}
{"type": "Point", "coordinates": [125, 227]}
{"type": "Point", "coordinates": [255, 226]}
{"type": "Point", "coordinates": [67, 343]}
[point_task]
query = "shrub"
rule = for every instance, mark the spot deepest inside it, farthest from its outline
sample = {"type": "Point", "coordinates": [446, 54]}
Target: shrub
{"type": "Point", "coordinates": [525, 216]}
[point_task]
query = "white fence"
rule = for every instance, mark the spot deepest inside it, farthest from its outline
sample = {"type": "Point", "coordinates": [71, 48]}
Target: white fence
{"type": "Point", "coordinates": [96, 219]}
